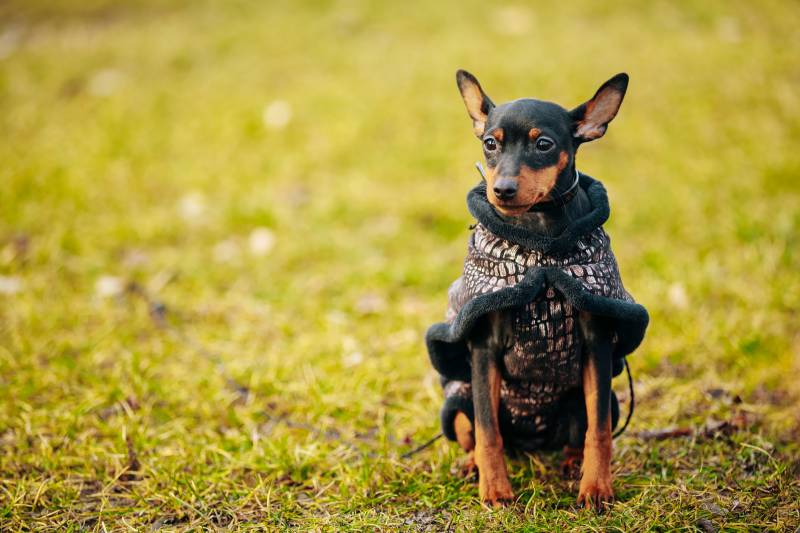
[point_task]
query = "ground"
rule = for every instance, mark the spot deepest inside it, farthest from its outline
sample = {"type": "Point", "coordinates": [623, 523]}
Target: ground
{"type": "Point", "coordinates": [225, 227]}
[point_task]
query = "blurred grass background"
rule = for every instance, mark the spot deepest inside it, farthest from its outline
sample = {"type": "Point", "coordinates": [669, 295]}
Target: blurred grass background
{"type": "Point", "coordinates": [289, 178]}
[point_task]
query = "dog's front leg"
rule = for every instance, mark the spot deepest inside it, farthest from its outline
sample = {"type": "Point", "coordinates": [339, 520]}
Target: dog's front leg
{"type": "Point", "coordinates": [595, 488]}
{"type": "Point", "coordinates": [486, 345]}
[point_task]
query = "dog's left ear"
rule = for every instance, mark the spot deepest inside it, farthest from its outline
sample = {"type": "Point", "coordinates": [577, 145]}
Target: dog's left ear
{"type": "Point", "coordinates": [590, 119]}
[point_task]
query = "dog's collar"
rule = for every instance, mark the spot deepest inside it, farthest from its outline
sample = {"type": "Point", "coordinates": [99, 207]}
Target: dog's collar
{"type": "Point", "coordinates": [599, 210]}
{"type": "Point", "coordinates": [559, 201]}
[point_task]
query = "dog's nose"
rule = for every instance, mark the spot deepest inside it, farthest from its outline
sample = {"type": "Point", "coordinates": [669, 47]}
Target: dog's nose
{"type": "Point", "coordinates": [505, 188]}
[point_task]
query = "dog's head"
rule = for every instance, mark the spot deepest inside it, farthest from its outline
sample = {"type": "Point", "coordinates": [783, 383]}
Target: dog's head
{"type": "Point", "coordinates": [530, 144]}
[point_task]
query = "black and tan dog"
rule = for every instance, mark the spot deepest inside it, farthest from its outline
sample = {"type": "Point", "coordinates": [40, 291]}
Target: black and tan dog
{"type": "Point", "coordinates": [539, 322]}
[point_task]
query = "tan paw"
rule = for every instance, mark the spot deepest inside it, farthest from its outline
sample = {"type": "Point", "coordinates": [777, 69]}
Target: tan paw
{"type": "Point", "coordinates": [596, 494]}
{"type": "Point", "coordinates": [495, 493]}
{"type": "Point", "coordinates": [469, 470]}
{"type": "Point", "coordinates": [571, 465]}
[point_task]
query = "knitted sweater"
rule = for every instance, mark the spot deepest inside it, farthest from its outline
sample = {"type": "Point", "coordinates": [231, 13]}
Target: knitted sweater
{"type": "Point", "coordinates": [544, 282]}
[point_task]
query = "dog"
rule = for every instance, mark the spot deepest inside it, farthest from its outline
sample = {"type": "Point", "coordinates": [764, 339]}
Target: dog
{"type": "Point", "coordinates": [539, 322]}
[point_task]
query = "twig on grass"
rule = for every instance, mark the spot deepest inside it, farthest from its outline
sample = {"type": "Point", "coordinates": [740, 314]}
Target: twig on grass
{"type": "Point", "coordinates": [132, 469]}
{"type": "Point", "coordinates": [710, 430]}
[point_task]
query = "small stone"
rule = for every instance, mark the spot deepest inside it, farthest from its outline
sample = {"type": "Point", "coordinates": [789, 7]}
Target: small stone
{"type": "Point", "coordinates": [729, 30]}
{"type": "Point", "coordinates": [705, 525]}
{"type": "Point", "coordinates": [349, 344]}
{"type": "Point", "coordinates": [9, 41]}
{"type": "Point", "coordinates": [371, 303]}
{"type": "Point", "coordinates": [10, 284]}
{"type": "Point", "coordinates": [262, 241]}
{"type": "Point", "coordinates": [337, 318]}
{"type": "Point", "coordinates": [109, 286]}
{"type": "Point", "coordinates": [677, 296]}
{"type": "Point", "coordinates": [385, 226]}
{"type": "Point", "coordinates": [352, 359]}
{"type": "Point", "coordinates": [351, 352]}
{"type": "Point", "coordinates": [106, 82]}
{"type": "Point", "coordinates": [277, 114]}
{"type": "Point", "coordinates": [715, 509]}
{"type": "Point", "coordinates": [134, 258]}
{"type": "Point", "coordinates": [192, 206]}
{"type": "Point", "coordinates": [403, 337]}
{"type": "Point", "coordinates": [16, 250]}
{"type": "Point", "coordinates": [512, 20]}
{"type": "Point", "coordinates": [226, 251]}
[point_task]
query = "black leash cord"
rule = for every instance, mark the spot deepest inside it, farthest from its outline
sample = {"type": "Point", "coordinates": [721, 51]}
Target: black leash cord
{"type": "Point", "coordinates": [421, 446]}
{"type": "Point", "coordinates": [621, 430]}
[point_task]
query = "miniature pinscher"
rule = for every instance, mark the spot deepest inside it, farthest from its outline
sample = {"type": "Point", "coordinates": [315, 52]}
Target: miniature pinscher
{"type": "Point", "coordinates": [530, 147]}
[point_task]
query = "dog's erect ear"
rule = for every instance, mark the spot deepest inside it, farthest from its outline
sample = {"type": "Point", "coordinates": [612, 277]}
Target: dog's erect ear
{"type": "Point", "coordinates": [478, 104]}
{"type": "Point", "coordinates": [591, 119]}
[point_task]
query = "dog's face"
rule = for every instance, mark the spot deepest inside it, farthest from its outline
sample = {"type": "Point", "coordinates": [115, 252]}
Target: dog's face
{"type": "Point", "coordinates": [530, 144]}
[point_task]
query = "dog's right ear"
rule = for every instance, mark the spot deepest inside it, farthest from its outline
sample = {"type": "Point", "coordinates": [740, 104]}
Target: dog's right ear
{"type": "Point", "coordinates": [478, 104]}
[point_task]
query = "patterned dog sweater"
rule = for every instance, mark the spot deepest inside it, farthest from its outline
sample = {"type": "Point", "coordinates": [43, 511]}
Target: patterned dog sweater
{"type": "Point", "coordinates": [544, 282]}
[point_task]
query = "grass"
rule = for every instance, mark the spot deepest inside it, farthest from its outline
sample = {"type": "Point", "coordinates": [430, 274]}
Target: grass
{"type": "Point", "coordinates": [302, 248]}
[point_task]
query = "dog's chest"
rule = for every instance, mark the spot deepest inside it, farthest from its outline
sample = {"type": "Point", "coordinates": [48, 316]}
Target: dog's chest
{"type": "Point", "coordinates": [546, 345]}
{"type": "Point", "coordinates": [544, 361]}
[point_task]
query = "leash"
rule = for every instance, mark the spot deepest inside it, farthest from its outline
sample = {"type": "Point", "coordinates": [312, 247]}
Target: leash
{"type": "Point", "coordinates": [422, 446]}
{"type": "Point", "coordinates": [159, 312]}
{"type": "Point", "coordinates": [621, 430]}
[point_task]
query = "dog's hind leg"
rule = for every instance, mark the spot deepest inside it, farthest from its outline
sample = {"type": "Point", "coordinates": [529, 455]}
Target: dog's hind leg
{"type": "Point", "coordinates": [576, 436]}
{"type": "Point", "coordinates": [569, 431]}
{"type": "Point", "coordinates": [465, 437]}
{"type": "Point", "coordinates": [464, 434]}
{"type": "Point", "coordinates": [576, 426]}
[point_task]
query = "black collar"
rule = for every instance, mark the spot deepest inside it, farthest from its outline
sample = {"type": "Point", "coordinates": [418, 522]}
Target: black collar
{"type": "Point", "coordinates": [560, 198]}
{"type": "Point", "coordinates": [479, 206]}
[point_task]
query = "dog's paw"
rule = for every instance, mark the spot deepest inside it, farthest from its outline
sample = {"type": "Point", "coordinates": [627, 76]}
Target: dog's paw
{"type": "Point", "coordinates": [571, 465]}
{"type": "Point", "coordinates": [596, 494]}
{"type": "Point", "coordinates": [495, 493]}
{"type": "Point", "coordinates": [469, 470]}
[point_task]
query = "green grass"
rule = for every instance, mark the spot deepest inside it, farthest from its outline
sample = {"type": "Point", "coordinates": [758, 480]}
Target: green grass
{"type": "Point", "coordinates": [133, 146]}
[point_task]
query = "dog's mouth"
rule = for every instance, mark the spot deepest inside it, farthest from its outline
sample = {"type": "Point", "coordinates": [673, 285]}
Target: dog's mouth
{"type": "Point", "coordinates": [511, 209]}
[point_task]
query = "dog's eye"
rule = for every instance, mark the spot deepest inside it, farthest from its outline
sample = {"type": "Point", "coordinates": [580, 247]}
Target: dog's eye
{"type": "Point", "coordinates": [490, 144]}
{"type": "Point", "coordinates": [544, 144]}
